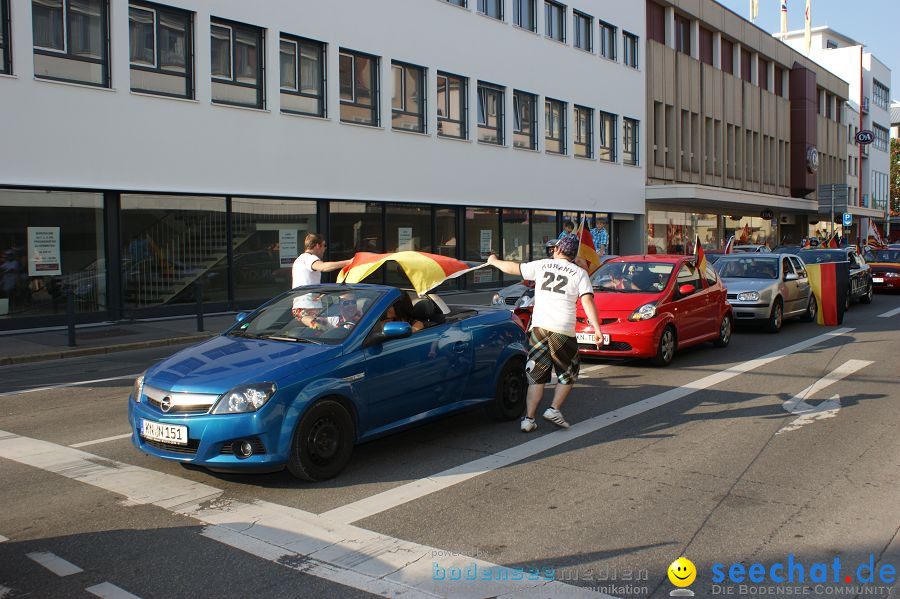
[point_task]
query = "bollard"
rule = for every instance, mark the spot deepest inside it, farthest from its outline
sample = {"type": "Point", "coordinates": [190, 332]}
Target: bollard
{"type": "Point", "coordinates": [70, 315]}
{"type": "Point", "coordinates": [198, 290]}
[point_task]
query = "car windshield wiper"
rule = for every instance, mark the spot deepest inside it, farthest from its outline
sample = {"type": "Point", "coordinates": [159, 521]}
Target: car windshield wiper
{"type": "Point", "coordinates": [291, 339]}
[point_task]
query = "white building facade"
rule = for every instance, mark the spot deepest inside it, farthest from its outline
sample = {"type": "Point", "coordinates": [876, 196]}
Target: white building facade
{"type": "Point", "coordinates": [870, 91]}
{"type": "Point", "coordinates": [158, 146]}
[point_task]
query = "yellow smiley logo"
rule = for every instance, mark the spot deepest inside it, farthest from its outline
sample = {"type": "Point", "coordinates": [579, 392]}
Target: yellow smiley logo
{"type": "Point", "coordinates": [682, 572]}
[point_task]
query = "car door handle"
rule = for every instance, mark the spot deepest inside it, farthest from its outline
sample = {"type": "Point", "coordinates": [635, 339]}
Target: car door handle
{"type": "Point", "coordinates": [460, 346]}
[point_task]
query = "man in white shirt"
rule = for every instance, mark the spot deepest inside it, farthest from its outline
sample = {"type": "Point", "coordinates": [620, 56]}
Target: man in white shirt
{"type": "Point", "coordinates": [309, 266]}
{"type": "Point", "coordinates": [559, 284]}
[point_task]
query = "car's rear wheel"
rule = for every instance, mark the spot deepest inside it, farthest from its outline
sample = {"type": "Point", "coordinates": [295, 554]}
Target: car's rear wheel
{"type": "Point", "coordinates": [509, 399]}
{"type": "Point", "coordinates": [323, 442]}
{"type": "Point", "coordinates": [724, 332]}
{"type": "Point", "coordinates": [847, 301]}
{"type": "Point", "coordinates": [776, 317]}
{"type": "Point", "coordinates": [867, 298]}
{"type": "Point", "coordinates": [812, 310]}
{"type": "Point", "coordinates": [665, 349]}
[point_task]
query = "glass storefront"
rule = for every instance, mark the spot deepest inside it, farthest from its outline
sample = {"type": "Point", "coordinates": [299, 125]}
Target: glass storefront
{"type": "Point", "coordinates": [267, 236]}
{"type": "Point", "coordinates": [543, 229]}
{"type": "Point", "coordinates": [354, 227]}
{"type": "Point", "coordinates": [445, 227]}
{"type": "Point", "coordinates": [667, 232]}
{"type": "Point", "coordinates": [170, 245]}
{"type": "Point", "coordinates": [482, 231]}
{"type": "Point", "coordinates": [52, 243]}
{"type": "Point", "coordinates": [750, 230]}
{"type": "Point", "coordinates": [408, 227]}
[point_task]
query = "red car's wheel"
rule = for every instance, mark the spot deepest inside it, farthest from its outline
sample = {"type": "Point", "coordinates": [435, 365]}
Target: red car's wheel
{"type": "Point", "coordinates": [665, 349]}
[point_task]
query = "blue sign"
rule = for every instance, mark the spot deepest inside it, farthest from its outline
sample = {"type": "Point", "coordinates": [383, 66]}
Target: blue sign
{"type": "Point", "coordinates": [848, 219]}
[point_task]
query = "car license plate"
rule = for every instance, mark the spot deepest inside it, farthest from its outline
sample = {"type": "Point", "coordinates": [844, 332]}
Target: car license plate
{"type": "Point", "coordinates": [877, 279]}
{"type": "Point", "coordinates": [164, 433]}
{"type": "Point", "coordinates": [588, 338]}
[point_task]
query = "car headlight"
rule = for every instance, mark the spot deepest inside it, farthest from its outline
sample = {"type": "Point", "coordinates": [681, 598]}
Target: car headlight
{"type": "Point", "coordinates": [748, 296]}
{"type": "Point", "coordinates": [645, 312]}
{"type": "Point", "coordinates": [892, 274]}
{"type": "Point", "coordinates": [496, 299]}
{"type": "Point", "coordinates": [246, 398]}
{"type": "Point", "coordinates": [138, 388]}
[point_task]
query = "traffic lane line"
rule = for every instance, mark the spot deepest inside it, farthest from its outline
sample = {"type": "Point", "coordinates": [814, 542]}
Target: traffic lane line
{"type": "Point", "coordinates": [108, 590]}
{"type": "Point", "coordinates": [396, 496]}
{"type": "Point", "coordinates": [54, 563]}
{"type": "Point", "coordinates": [340, 553]}
{"type": "Point", "coordinates": [64, 385]}
{"type": "Point", "coordinates": [890, 313]}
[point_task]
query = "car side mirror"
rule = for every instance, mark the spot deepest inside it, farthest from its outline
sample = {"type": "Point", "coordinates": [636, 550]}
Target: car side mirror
{"type": "Point", "coordinates": [240, 316]}
{"type": "Point", "coordinates": [390, 330]}
{"type": "Point", "coordinates": [791, 276]}
{"type": "Point", "coordinates": [685, 290]}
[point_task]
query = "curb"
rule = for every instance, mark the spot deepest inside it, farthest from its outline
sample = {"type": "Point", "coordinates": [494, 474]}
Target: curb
{"type": "Point", "coordinates": [107, 349]}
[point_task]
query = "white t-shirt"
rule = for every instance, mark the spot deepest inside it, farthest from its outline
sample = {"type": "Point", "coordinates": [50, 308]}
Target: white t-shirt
{"type": "Point", "coordinates": [558, 285]}
{"type": "Point", "coordinates": [302, 272]}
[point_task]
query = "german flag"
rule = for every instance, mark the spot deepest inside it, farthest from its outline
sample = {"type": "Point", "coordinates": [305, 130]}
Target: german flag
{"type": "Point", "coordinates": [829, 283]}
{"type": "Point", "coordinates": [586, 249]}
{"type": "Point", "coordinates": [832, 241]}
{"type": "Point", "coordinates": [425, 271]}
{"type": "Point", "coordinates": [700, 256]}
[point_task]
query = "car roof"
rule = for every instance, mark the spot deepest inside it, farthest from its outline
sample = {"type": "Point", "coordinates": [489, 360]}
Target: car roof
{"type": "Point", "coordinates": [673, 258]}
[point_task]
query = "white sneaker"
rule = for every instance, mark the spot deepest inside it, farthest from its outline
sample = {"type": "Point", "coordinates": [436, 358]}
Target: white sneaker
{"type": "Point", "coordinates": [528, 424]}
{"type": "Point", "coordinates": [556, 417]}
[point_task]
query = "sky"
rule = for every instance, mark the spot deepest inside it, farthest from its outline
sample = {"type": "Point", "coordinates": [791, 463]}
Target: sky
{"type": "Point", "coordinates": [875, 23]}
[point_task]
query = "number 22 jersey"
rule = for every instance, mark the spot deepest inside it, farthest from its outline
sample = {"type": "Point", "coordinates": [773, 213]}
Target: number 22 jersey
{"type": "Point", "coordinates": [558, 285]}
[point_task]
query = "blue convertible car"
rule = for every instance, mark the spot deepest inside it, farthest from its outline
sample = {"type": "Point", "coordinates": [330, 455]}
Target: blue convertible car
{"type": "Point", "coordinates": [305, 377]}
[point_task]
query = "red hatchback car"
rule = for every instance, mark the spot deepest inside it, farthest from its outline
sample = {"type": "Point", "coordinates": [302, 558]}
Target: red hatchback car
{"type": "Point", "coordinates": [649, 306]}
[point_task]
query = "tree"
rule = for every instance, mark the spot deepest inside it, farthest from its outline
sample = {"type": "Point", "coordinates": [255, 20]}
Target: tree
{"type": "Point", "coordinates": [895, 177]}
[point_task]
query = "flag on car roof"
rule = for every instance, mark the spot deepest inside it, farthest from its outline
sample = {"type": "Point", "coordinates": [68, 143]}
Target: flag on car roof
{"type": "Point", "coordinates": [425, 271]}
{"type": "Point", "coordinates": [700, 255]}
{"type": "Point", "coordinates": [729, 245]}
{"type": "Point", "coordinates": [832, 241]}
{"type": "Point", "coordinates": [873, 238]}
{"type": "Point", "coordinates": [586, 249]}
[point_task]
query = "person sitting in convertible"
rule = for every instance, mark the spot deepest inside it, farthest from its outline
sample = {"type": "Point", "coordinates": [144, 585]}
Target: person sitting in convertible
{"type": "Point", "coordinates": [401, 311]}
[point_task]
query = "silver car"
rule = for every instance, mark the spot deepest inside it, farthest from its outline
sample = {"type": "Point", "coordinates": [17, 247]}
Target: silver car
{"type": "Point", "coordinates": [767, 287]}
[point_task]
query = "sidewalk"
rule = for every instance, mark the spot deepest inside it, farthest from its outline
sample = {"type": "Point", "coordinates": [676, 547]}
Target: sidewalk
{"type": "Point", "coordinates": [18, 347]}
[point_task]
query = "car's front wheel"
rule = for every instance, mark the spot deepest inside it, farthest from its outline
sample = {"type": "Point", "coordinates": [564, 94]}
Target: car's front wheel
{"type": "Point", "coordinates": [867, 298]}
{"type": "Point", "coordinates": [665, 349]}
{"type": "Point", "coordinates": [776, 317]}
{"type": "Point", "coordinates": [724, 332]}
{"type": "Point", "coordinates": [509, 399]}
{"type": "Point", "coordinates": [322, 442]}
{"type": "Point", "coordinates": [812, 310]}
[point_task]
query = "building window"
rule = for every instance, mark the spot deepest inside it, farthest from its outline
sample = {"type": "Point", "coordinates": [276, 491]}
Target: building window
{"type": "Point", "coordinates": [452, 105]}
{"type": "Point", "coordinates": [779, 81]}
{"type": "Point", "coordinates": [607, 41]}
{"type": "Point", "coordinates": [881, 93]}
{"type": "Point", "coordinates": [608, 128]}
{"type": "Point", "coordinates": [584, 132]}
{"type": "Point", "coordinates": [727, 56]}
{"type": "Point", "coordinates": [762, 74]}
{"type": "Point", "coordinates": [656, 22]}
{"type": "Point", "coordinates": [706, 46]}
{"type": "Point", "coordinates": [582, 26]}
{"type": "Point", "coordinates": [5, 59]}
{"type": "Point", "coordinates": [830, 45]}
{"type": "Point", "coordinates": [491, 8]}
{"type": "Point", "coordinates": [408, 101]}
{"type": "Point", "coordinates": [745, 64]}
{"type": "Point", "coordinates": [881, 137]}
{"type": "Point", "coordinates": [302, 76]}
{"type": "Point", "coordinates": [524, 120]}
{"type": "Point", "coordinates": [461, 3]}
{"type": "Point", "coordinates": [161, 50]}
{"type": "Point", "coordinates": [555, 21]}
{"type": "Point", "coordinates": [630, 50]}
{"type": "Point", "coordinates": [555, 126]}
{"type": "Point", "coordinates": [524, 14]}
{"type": "Point", "coordinates": [359, 88]}
{"type": "Point", "coordinates": [237, 62]}
{"type": "Point", "coordinates": [682, 35]}
{"type": "Point", "coordinates": [71, 40]}
{"type": "Point", "coordinates": [630, 142]}
{"type": "Point", "coordinates": [490, 113]}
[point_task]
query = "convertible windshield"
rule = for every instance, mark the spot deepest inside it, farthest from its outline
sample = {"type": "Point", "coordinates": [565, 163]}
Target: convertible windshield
{"type": "Point", "coordinates": [310, 315]}
{"type": "Point", "coordinates": [632, 277]}
{"type": "Point", "coordinates": [747, 268]}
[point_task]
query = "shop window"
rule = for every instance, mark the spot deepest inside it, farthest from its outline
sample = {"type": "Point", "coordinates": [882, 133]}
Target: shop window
{"type": "Point", "coordinates": [52, 243]}
{"type": "Point", "coordinates": [543, 229]}
{"type": "Point", "coordinates": [482, 230]}
{"type": "Point", "coordinates": [515, 236]}
{"type": "Point", "coordinates": [170, 245]}
{"type": "Point", "coordinates": [71, 40]}
{"type": "Point", "coordinates": [302, 76]}
{"type": "Point", "coordinates": [354, 227]}
{"type": "Point", "coordinates": [407, 228]}
{"type": "Point", "coordinates": [267, 236]}
{"type": "Point", "coordinates": [161, 50]}
{"type": "Point", "coordinates": [237, 54]}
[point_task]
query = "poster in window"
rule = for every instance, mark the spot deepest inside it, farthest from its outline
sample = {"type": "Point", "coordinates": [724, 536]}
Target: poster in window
{"type": "Point", "coordinates": [404, 239]}
{"type": "Point", "coordinates": [43, 252]}
{"type": "Point", "coordinates": [287, 247]}
{"type": "Point", "coordinates": [486, 235]}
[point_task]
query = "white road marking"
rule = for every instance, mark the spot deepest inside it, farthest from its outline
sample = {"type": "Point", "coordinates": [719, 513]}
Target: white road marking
{"type": "Point", "coordinates": [341, 553]}
{"type": "Point", "coordinates": [103, 440]}
{"type": "Point", "coordinates": [380, 502]}
{"type": "Point", "coordinates": [108, 590]}
{"type": "Point", "coordinates": [73, 384]}
{"type": "Point", "coordinates": [890, 313]}
{"type": "Point", "coordinates": [3, 539]}
{"type": "Point", "coordinates": [827, 409]}
{"type": "Point", "coordinates": [54, 563]}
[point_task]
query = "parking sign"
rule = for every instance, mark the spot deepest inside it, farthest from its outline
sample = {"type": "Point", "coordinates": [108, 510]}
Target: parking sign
{"type": "Point", "coordinates": [848, 219]}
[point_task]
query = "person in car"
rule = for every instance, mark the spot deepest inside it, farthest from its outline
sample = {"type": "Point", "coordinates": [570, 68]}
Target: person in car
{"type": "Point", "coordinates": [619, 279]}
{"type": "Point", "coordinates": [392, 315]}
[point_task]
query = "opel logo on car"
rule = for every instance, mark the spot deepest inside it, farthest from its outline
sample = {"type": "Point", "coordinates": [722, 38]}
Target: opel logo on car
{"type": "Point", "coordinates": [166, 404]}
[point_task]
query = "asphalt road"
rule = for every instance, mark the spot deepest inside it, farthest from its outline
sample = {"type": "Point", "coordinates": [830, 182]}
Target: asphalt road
{"type": "Point", "coordinates": [779, 445]}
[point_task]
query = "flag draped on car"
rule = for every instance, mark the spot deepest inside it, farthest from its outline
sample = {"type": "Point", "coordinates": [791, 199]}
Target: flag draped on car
{"type": "Point", "coordinates": [830, 284]}
{"type": "Point", "coordinates": [425, 271]}
{"type": "Point", "coordinates": [586, 249]}
{"type": "Point", "coordinates": [700, 256]}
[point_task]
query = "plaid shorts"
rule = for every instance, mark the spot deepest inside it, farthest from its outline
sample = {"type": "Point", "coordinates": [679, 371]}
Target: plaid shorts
{"type": "Point", "coordinates": [549, 350]}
